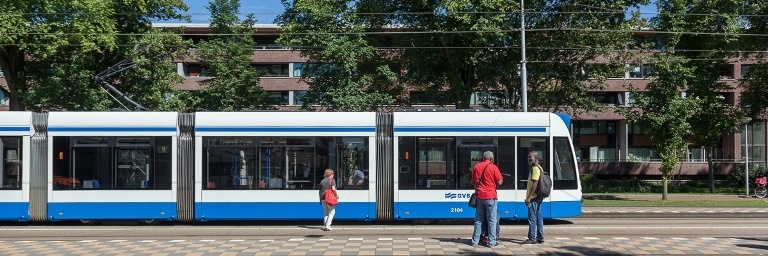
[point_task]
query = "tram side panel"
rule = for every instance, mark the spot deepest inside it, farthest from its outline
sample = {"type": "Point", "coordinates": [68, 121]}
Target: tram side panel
{"type": "Point", "coordinates": [15, 132]}
{"type": "Point", "coordinates": [436, 151]}
{"type": "Point", "coordinates": [267, 165]}
{"type": "Point", "coordinates": [106, 165]}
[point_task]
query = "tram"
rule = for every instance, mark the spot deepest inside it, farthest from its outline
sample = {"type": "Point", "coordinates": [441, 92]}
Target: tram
{"type": "Point", "coordinates": [209, 166]}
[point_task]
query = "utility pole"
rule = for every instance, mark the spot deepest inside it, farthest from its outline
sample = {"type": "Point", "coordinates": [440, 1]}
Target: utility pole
{"type": "Point", "coordinates": [523, 71]}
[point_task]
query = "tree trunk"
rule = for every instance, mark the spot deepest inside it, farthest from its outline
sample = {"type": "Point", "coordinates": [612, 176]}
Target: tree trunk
{"type": "Point", "coordinates": [711, 168]}
{"type": "Point", "coordinates": [12, 62]}
{"type": "Point", "coordinates": [664, 180]}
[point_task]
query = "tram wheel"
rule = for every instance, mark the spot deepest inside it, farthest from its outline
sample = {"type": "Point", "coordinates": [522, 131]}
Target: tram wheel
{"type": "Point", "coordinates": [149, 222]}
{"type": "Point", "coordinates": [89, 222]}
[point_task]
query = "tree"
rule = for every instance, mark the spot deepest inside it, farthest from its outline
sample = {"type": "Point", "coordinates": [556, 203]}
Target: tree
{"type": "Point", "coordinates": [703, 44]}
{"type": "Point", "coordinates": [663, 113]}
{"type": "Point", "coordinates": [755, 83]}
{"type": "Point", "coordinates": [345, 71]}
{"type": "Point", "coordinates": [448, 50]}
{"type": "Point", "coordinates": [227, 55]}
{"type": "Point", "coordinates": [573, 50]}
{"type": "Point", "coordinates": [54, 47]}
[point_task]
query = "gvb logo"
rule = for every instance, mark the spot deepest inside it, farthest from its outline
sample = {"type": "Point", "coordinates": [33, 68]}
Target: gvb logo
{"type": "Point", "coordinates": [450, 195]}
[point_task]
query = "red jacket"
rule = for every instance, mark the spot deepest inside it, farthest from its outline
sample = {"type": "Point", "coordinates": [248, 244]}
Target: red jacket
{"type": "Point", "coordinates": [486, 188]}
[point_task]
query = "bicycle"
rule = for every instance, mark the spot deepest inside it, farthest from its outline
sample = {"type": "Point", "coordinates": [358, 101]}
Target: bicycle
{"type": "Point", "coordinates": [761, 191]}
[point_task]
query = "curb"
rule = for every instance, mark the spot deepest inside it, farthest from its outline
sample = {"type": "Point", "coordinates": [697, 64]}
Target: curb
{"type": "Point", "coordinates": [716, 215]}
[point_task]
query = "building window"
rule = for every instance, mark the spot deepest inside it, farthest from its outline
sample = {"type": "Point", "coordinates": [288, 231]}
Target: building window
{"type": "Point", "coordinates": [299, 97]}
{"type": "Point", "coordinates": [3, 99]}
{"type": "Point", "coordinates": [490, 99]}
{"type": "Point", "coordinates": [726, 72]}
{"type": "Point", "coordinates": [640, 70]}
{"type": "Point", "coordinates": [745, 69]}
{"type": "Point", "coordinates": [1, 73]}
{"type": "Point", "coordinates": [611, 98]}
{"type": "Point", "coordinates": [195, 70]}
{"type": "Point", "coordinates": [281, 97]}
{"type": "Point", "coordinates": [594, 127]}
{"type": "Point", "coordinates": [298, 69]}
{"type": "Point", "coordinates": [642, 154]}
{"type": "Point", "coordinates": [272, 70]}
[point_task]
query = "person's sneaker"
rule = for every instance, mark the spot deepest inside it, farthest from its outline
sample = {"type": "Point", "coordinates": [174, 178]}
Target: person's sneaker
{"type": "Point", "coordinates": [328, 229]}
{"type": "Point", "coordinates": [493, 245]}
{"type": "Point", "coordinates": [529, 241]}
{"type": "Point", "coordinates": [540, 241]}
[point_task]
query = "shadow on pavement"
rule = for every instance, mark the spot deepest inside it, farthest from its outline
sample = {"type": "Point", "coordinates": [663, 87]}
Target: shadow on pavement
{"type": "Point", "coordinates": [753, 246]}
{"type": "Point", "coordinates": [513, 243]}
{"type": "Point", "coordinates": [604, 197]}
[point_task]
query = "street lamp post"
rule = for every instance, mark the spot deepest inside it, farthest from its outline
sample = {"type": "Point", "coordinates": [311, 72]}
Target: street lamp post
{"type": "Point", "coordinates": [523, 71]}
{"type": "Point", "coordinates": [746, 120]}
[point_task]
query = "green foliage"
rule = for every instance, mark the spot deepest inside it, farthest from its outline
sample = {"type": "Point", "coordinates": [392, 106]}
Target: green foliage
{"type": "Point", "coordinates": [348, 75]}
{"type": "Point", "coordinates": [53, 48]}
{"type": "Point", "coordinates": [755, 86]}
{"type": "Point", "coordinates": [737, 176]}
{"type": "Point", "coordinates": [663, 112]}
{"type": "Point", "coordinates": [595, 185]}
{"type": "Point", "coordinates": [450, 49]}
{"type": "Point", "coordinates": [234, 85]}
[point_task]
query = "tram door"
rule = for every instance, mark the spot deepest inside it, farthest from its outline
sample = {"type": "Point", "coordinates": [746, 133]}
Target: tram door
{"type": "Point", "coordinates": [470, 151]}
{"type": "Point", "coordinates": [526, 145]}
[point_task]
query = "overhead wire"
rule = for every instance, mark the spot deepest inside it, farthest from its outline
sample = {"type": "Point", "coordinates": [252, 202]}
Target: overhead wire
{"type": "Point", "coordinates": [527, 11]}
{"type": "Point", "coordinates": [407, 32]}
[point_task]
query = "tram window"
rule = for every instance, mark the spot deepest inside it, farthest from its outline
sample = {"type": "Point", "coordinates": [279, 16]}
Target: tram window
{"type": "Point", "coordinates": [428, 163]}
{"type": "Point", "coordinates": [505, 159]}
{"type": "Point", "coordinates": [10, 163]}
{"type": "Point", "coordinates": [526, 145]}
{"type": "Point", "coordinates": [406, 161]}
{"type": "Point", "coordinates": [435, 168]}
{"type": "Point", "coordinates": [293, 163]}
{"type": "Point", "coordinates": [564, 173]}
{"type": "Point", "coordinates": [112, 163]}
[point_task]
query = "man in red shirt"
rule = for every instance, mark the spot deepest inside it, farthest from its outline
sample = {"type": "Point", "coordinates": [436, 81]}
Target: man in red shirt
{"type": "Point", "coordinates": [485, 177]}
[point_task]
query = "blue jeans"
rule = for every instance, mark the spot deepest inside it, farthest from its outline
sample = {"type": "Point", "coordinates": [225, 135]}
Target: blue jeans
{"type": "Point", "coordinates": [486, 210]}
{"type": "Point", "coordinates": [535, 221]}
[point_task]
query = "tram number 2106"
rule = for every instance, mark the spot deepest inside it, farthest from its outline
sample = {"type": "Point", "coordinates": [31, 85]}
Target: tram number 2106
{"type": "Point", "coordinates": [457, 209]}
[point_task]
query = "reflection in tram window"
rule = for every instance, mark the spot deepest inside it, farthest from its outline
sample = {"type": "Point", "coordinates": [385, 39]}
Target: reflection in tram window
{"type": "Point", "coordinates": [446, 163]}
{"type": "Point", "coordinates": [525, 146]}
{"type": "Point", "coordinates": [133, 163]}
{"type": "Point", "coordinates": [564, 173]}
{"type": "Point", "coordinates": [10, 163]}
{"type": "Point", "coordinates": [283, 163]}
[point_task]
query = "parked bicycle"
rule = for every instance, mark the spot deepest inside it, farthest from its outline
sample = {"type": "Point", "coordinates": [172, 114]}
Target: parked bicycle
{"type": "Point", "coordinates": [761, 191]}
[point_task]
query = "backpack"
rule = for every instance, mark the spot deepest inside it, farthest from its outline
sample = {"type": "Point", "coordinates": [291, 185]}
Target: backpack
{"type": "Point", "coordinates": [545, 184]}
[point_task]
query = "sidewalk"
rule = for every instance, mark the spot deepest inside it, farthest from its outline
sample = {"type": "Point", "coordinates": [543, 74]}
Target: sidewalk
{"type": "Point", "coordinates": [672, 211]}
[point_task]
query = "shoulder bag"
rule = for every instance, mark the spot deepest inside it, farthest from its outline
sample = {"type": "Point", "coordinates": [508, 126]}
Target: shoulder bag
{"type": "Point", "coordinates": [331, 198]}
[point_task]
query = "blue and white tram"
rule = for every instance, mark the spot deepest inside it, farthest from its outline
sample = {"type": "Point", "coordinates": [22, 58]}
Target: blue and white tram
{"type": "Point", "coordinates": [151, 166]}
{"type": "Point", "coordinates": [111, 165]}
{"type": "Point", "coordinates": [15, 132]}
{"type": "Point", "coordinates": [436, 151]}
{"type": "Point", "coordinates": [266, 165]}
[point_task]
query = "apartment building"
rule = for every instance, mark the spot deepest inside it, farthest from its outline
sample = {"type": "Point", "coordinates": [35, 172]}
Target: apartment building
{"type": "Point", "coordinates": [606, 143]}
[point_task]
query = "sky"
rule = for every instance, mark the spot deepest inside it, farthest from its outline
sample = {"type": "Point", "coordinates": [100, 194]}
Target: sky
{"type": "Point", "coordinates": [264, 10]}
{"type": "Point", "coordinates": [267, 10]}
